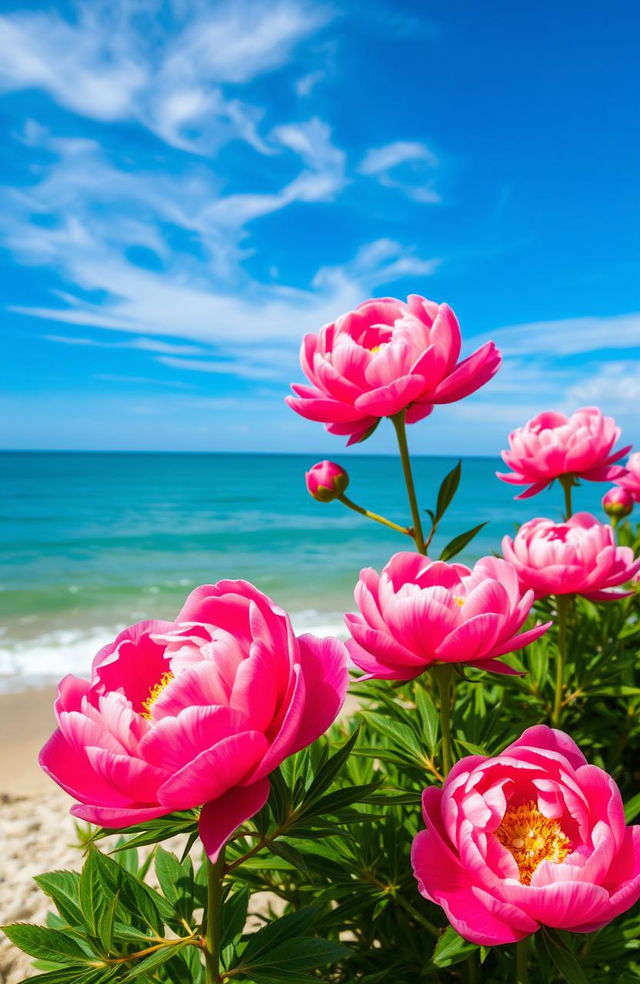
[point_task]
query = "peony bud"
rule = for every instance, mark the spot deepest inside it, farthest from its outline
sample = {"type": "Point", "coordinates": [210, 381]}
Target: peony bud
{"type": "Point", "coordinates": [326, 481]}
{"type": "Point", "coordinates": [617, 502]}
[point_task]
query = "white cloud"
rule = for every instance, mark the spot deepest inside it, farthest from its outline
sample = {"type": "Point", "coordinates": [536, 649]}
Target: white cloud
{"type": "Point", "coordinates": [115, 62]}
{"type": "Point", "coordinates": [571, 336]}
{"type": "Point", "coordinates": [614, 386]}
{"type": "Point", "coordinates": [406, 166]}
{"type": "Point", "coordinates": [376, 263]}
{"type": "Point", "coordinates": [305, 85]}
{"type": "Point", "coordinates": [143, 344]}
{"type": "Point", "coordinates": [237, 369]}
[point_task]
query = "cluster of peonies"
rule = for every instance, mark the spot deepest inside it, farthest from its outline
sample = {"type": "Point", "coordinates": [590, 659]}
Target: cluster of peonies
{"type": "Point", "coordinates": [198, 712]}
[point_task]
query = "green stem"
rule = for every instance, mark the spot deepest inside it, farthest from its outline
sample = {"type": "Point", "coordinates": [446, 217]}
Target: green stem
{"type": "Point", "coordinates": [522, 961]}
{"type": "Point", "coordinates": [213, 918]}
{"type": "Point", "coordinates": [443, 673]}
{"type": "Point", "coordinates": [398, 422]}
{"type": "Point", "coordinates": [566, 482]}
{"type": "Point", "coordinates": [371, 515]}
{"type": "Point", "coordinates": [563, 603]}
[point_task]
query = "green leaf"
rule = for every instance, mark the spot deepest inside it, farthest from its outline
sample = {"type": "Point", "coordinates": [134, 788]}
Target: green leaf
{"type": "Point", "coordinates": [106, 921]}
{"type": "Point", "coordinates": [428, 716]}
{"type": "Point", "coordinates": [447, 491]}
{"type": "Point", "coordinates": [401, 735]}
{"type": "Point", "coordinates": [47, 944]}
{"type": "Point", "coordinates": [292, 855]}
{"type": "Point", "coordinates": [63, 888]}
{"type": "Point", "coordinates": [632, 809]}
{"type": "Point", "coordinates": [295, 955]}
{"type": "Point", "coordinates": [234, 914]}
{"type": "Point", "coordinates": [147, 964]}
{"type": "Point", "coordinates": [174, 880]}
{"type": "Point", "coordinates": [459, 542]}
{"type": "Point", "coordinates": [565, 961]}
{"type": "Point", "coordinates": [95, 888]}
{"type": "Point", "coordinates": [327, 772]}
{"type": "Point", "coordinates": [277, 932]}
{"type": "Point", "coordinates": [451, 948]}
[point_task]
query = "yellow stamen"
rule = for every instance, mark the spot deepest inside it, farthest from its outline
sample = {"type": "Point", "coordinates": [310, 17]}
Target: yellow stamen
{"type": "Point", "coordinates": [376, 348]}
{"type": "Point", "coordinates": [531, 838]}
{"type": "Point", "coordinates": [154, 693]}
{"type": "Point", "coordinates": [458, 600]}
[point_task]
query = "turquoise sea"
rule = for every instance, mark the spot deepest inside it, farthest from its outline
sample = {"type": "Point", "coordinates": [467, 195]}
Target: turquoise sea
{"type": "Point", "coordinates": [90, 542]}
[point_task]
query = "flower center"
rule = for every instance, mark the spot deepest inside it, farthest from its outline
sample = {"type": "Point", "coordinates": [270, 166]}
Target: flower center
{"type": "Point", "coordinates": [531, 838]}
{"type": "Point", "coordinates": [154, 693]}
{"type": "Point", "coordinates": [377, 348]}
{"type": "Point", "coordinates": [458, 600]}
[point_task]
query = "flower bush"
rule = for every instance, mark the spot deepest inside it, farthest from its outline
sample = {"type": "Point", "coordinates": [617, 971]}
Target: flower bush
{"type": "Point", "coordinates": [209, 729]}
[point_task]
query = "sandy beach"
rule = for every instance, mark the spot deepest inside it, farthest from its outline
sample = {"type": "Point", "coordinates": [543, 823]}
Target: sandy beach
{"type": "Point", "coordinates": [36, 829]}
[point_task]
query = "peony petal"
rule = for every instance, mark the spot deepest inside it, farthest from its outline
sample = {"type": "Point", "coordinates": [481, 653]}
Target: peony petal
{"type": "Point", "coordinates": [221, 817]}
{"type": "Point", "coordinates": [214, 771]}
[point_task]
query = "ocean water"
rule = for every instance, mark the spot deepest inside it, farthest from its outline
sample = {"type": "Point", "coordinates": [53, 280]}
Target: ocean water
{"type": "Point", "coordinates": [91, 542]}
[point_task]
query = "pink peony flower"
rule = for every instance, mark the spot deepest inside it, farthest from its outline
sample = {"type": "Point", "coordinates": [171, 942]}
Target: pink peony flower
{"type": "Point", "coordinates": [194, 713]}
{"type": "Point", "coordinates": [418, 612]}
{"type": "Point", "coordinates": [617, 502]}
{"type": "Point", "coordinates": [533, 837]}
{"type": "Point", "coordinates": [630, 478]}
{"type": "Point", "coordinates": [384, 357]}
{"type": "Point", "coordinates": [579, 556]}
{"type": "Point", "coordinates": [552, 445]}
{"type": "Point", "coordinates": [326, 481]}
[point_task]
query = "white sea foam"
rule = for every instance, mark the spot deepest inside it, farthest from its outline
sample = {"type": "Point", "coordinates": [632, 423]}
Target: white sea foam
{"type": "Point", "coordinates": [44, 659]}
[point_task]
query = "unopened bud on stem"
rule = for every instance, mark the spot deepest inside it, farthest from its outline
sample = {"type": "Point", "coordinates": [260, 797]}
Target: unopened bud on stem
{"type": "Point", "coordinates": [326, 481]}
{"type": "Point", "coordinates": [617, 502]}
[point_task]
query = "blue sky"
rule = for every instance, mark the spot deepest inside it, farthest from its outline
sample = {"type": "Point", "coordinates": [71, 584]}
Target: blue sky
{"type": "Point", "coordinates": [189, 186]}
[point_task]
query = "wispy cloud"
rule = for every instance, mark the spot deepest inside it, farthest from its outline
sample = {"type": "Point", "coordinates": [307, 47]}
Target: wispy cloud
{"type": "Point", "coordinates": [114, 61]}
{"type": "Point", "coordinates": [405, 165]}
{"type": "Point", "coordinates": [572, 336]}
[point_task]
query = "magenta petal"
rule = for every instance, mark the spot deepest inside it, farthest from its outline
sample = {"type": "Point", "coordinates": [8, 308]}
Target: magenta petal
{"type": "Point", "coordinates": [71, 690]}
{"type": "Point", "coordinates": [326, 678]}
{"type": "Point", "coordinates": [134, 662]}
{"type": "Point", "coordinates": [135, 779]}
{"type": "Point", "coordinates": [540, 736]}
{"type": "Point", "coordinates": [173, 742]}
{"type": "Point", "coordinates": [214, 771]}
{"type": "Point", "coordinates": [324, 410]}
{"type": "Point", "coordinates": [285, 739]}
{"type": "Point", "coordinates": [392, 398]}
{"type": "Point", "coordinates": [77, 777]}
{"type": "Point", "coordinates": [221, 817]}
{"type": "Point", "coordinates": [520, 641]}
{"type": "Point", "coordinates": [469, 375]}
{"type": "Point", "coordinates": [107, 816]}
{"type": "Point", "coordinates": [564, 905]}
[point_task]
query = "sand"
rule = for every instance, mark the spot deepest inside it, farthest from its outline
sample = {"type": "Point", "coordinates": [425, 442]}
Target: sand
{"type": "Point", "coordinates": [36, 831]}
